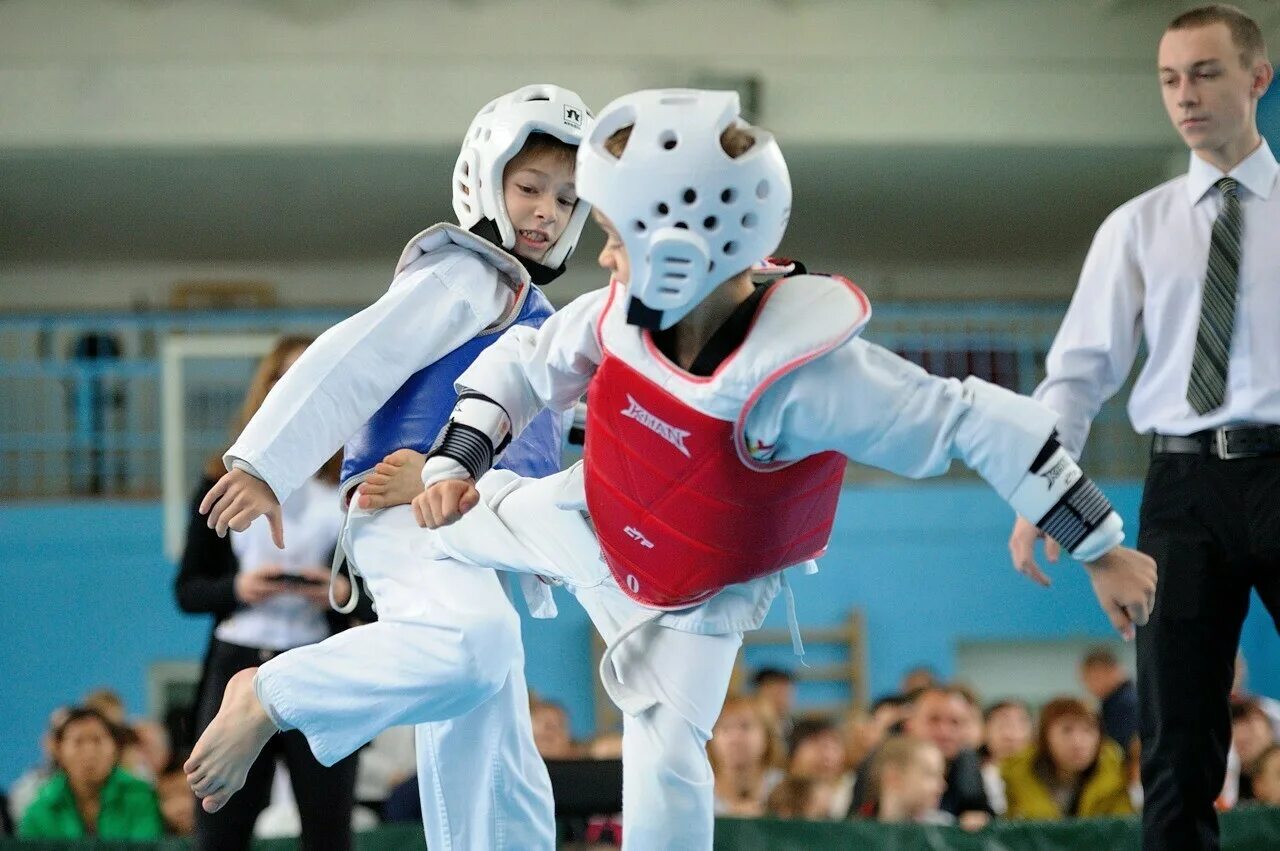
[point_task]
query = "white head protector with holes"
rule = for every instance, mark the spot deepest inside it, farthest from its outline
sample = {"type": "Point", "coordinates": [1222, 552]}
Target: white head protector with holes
{"type": "Point", "coordinates": [689, 215]}
{"type": "Point", "coordinates": [496, 135]}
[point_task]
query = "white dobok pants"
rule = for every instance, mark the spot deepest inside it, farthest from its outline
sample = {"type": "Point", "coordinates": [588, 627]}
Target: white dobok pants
{"type": "Point", "coordinates": [444, 655]}
{"type": "Point", "coordinates": [670, 683]}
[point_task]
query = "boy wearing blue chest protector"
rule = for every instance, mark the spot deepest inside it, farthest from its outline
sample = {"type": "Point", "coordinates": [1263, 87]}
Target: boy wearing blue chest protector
{"type": "Point", "coordinates": [445, 654]}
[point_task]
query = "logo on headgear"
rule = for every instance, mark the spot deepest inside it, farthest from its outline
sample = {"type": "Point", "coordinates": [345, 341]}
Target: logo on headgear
{"type": "Point", "coordinates": [573, 117]}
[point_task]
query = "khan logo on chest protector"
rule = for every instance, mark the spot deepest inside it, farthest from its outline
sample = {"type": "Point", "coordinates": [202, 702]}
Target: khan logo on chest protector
{"type": "Point", "coordinates": [669, 433]}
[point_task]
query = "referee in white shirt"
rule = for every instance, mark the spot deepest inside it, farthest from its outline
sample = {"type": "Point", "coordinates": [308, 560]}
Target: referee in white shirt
{"type": "Point", "coordinates": [1194, 267]}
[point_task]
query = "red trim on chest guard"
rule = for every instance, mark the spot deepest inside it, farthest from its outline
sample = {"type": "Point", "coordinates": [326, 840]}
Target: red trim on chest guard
{"type": "Point", "coordinates": [678, 514]}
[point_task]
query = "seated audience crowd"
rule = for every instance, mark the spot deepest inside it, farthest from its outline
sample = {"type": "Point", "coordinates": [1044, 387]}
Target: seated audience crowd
{"type": "Point", "coordinates": [929, 754]}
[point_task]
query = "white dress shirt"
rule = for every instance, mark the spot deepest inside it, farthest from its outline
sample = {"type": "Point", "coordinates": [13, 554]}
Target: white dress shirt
{"type": "Point", "coordinates": [287, 620]}
{"type": "Point", "coordinates": [1144, 276]}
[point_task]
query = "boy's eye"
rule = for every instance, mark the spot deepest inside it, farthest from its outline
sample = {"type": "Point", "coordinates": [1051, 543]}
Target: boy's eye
{"type": "Point", "coordinates": [568, 202]}
{"type": "Point", "coordinates": [528, 189]}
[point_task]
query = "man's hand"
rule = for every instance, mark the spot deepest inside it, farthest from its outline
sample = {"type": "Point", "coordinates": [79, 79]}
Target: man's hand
{"type": "Point", "coordinates": [1125, 582]}
{"type": "Point", "coordinates": [395, 480]}
{"type": "Point", "coordinates": [254, 586]}
{"type": "Point", "coordinates": [237, 500]}
{"type": "Point", "coordinates": [1022, 549]}
{"type": "Point", "coordinates": [445, 502]}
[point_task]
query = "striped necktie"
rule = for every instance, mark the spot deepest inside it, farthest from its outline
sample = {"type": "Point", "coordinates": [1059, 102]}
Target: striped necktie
{"type": "Point", "coordinates": [1207, 387]}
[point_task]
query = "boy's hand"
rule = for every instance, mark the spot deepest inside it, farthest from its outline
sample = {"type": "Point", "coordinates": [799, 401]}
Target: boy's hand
{"type": "Point", "coordinates": [237, 500]}
{"type": "Point", "coordinates": [445, 502]}
{"type": "Point", "coordinates": [1022, 549]}
{"type": "Point", "coordinates": [1125, 582]}
{"type": "Point", "coordinates": [396, 480]}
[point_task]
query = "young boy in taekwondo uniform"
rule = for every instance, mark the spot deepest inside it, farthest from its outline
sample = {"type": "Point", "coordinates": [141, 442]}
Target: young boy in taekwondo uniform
{"type": "Point", "coordinates": [720, 417]}
{"type": "Point", "coordinates": [446, 652]}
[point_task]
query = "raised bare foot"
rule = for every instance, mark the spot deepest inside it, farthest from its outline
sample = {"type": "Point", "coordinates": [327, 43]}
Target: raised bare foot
{"type": "Point", "coordinates": [220, 761]}
{"type": "Point", "coordinates": [395, 480]}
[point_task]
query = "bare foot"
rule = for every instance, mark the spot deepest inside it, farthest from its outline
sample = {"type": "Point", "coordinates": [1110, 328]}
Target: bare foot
{"type": "Point", "coordinates": [395, 480]}
{"type": "Point", "coordinates": [220, 761]}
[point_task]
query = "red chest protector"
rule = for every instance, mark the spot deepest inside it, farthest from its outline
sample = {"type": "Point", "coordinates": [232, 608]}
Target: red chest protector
{"type": "Point", "coordinates": [680, 508]}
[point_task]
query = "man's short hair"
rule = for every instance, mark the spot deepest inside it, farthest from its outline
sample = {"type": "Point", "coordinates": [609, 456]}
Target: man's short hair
{"type": "Point", "coordinates": [772, 675]}
{"type": "Point", "coordinates": [1246, 35]}
{"type": "Point", "coordinates": [1100, 657]}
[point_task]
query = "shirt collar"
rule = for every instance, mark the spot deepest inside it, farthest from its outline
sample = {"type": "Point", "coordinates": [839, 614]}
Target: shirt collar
{"type": "Point", "coordinates": [1256, 173]}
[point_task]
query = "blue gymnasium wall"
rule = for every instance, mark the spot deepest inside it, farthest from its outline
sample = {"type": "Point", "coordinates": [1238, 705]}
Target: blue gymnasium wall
{"type": "Point", "coordinates": [87, 601]}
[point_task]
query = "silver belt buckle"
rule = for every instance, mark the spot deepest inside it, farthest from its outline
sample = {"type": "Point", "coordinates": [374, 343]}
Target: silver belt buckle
{"type": "Point", "coordinates": [1220, 443]}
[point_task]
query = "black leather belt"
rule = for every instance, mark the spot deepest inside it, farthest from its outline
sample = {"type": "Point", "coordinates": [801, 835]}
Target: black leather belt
{"type": "Point", "coordinates": [1226, 443]}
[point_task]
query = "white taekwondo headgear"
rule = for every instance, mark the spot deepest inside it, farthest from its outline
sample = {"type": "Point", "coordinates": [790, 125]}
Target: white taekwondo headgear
{"type": "Point", "coordinates": [690, 216]}
{"type": "Point", "coordinates": [495, 136]}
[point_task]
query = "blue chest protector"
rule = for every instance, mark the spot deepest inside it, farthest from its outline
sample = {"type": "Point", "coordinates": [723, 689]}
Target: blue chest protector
{"type": "Point", "coordinates": [415, 413]}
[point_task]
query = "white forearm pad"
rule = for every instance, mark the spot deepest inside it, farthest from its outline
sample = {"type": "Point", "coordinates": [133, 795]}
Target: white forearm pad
{"type": "Point", "coordinates": [1064, 504]}
{"type": "Point", "coordinates": [485, 416]}
{"type": "Point", "coordinates": [477, 432]}
{"type": "Point", "coordinates": [440, 468]}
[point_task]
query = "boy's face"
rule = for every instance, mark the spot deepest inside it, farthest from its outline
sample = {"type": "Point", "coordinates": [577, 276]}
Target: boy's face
{"type": "Point", "coordinates": [613, 257]}
{"type": "Point", "coordinates": [922, 782]}
{"type": "Point", "coordinates": [539, 194]}
{"type": "Point", "coordinates": [1208, 93]}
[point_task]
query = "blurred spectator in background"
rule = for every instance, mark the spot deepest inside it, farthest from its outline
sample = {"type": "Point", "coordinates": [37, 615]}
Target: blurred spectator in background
{"type": "Point", "coordinates": [916, 680]}
{"type": "Point", "coordinates": [907, 780]}
{"type": "Point", "coordinates": [551, 733]}
{"type": "Point", "coordinates": [972, 732]}
{"type": "Point", "coordinates": [776, 690]}
{"type": "Point", "coordinates": [862, 734]}
{"type": "Point", "coordinates": [1106, 679]}
{"type": "Point", "coordinates": [944, 715]}
{"type": "Point", "coordinates": [25, 788]}
{"type": "Point", "coordinates": [1240, 691]}
{"type": "Point", "coordinates": [108, 703]}
{"type": "Point", "coordinates": [891, 713]}
{"type": "Point", "coordinates": [1006, 731]}
{"type": "Point", "coordinates": [1071, 770]}
{"type": "Point", "coordinates": [265, 601]}
{"type": "Point", "coordinates": [1266, 776]}
{"type": "Point", "coordinates": [150, 753]}
{"type": "Point", "coordinates": [386, 762]}
{"type": "Point", "coordinates": [606, 746]}
{"type": "Point", "coordinates": [817, 753]}
{"type": "Point", "coordinates": [941, 715]}
{"type": "Point", "coordinates": [91, 795]}
{"type": "Point", "coordinates": [743, 753]}
{"type": "Point", "coordinates": [1251, 734]}
{"type": "Point", "coordinates": [799, 798]}
{"type": "Point", "coordinates": [177, 804]}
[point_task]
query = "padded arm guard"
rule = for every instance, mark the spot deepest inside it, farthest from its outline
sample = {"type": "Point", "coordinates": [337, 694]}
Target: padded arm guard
{"type": "Point", "coordinates": [1066, 505]}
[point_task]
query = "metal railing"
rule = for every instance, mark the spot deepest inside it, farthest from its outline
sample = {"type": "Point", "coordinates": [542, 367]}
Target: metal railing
{"type": "Point", "coordinates": [80, 392]}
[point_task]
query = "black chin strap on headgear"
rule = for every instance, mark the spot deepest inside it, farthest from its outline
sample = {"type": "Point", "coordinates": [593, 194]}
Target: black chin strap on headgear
{"type": "Point", "coordinates": [487, 229]}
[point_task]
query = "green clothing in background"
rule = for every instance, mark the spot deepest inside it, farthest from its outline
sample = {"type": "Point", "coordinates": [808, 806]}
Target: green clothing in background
{"type": "Point", "coordinates": [129, 811]}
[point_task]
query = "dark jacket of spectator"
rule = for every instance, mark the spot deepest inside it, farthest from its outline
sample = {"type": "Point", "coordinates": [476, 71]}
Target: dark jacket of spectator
{"type": "Point", "coordinates": [1120, 714]}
